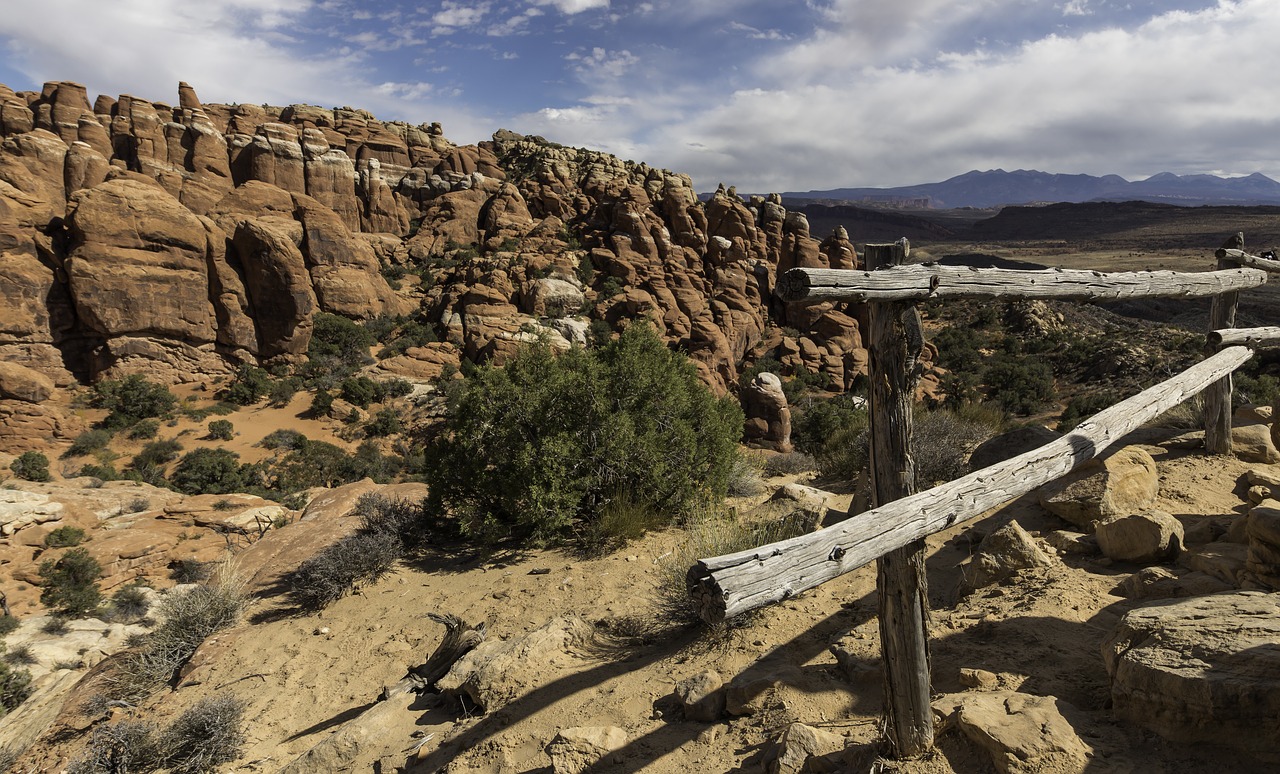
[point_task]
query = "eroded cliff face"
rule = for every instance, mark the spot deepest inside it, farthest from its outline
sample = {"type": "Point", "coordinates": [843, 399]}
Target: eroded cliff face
{"type": "Point", "coordinates": [180, 240]}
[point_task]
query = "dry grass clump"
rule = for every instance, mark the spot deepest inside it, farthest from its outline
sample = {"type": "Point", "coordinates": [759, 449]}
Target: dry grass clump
{"type": "Point", "coordinates": [713, 535]}
{"type": "Point", "coordinates": [187, 619]}
{"type": "Point", "coordinates": [200, 740]}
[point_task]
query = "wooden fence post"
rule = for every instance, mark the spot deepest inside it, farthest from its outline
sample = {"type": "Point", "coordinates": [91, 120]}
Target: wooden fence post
{"type": "Point", "coordinates": [1217, 399]}
{"type": "Point", "coordinates": [896, 340]}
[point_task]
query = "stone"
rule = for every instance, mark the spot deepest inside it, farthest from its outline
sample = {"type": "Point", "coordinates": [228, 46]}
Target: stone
{"type": "Point", "coordinates": [1201, 670]}
{"type": "Point", "coordinates": [17, 382]}
{"type": "Point", "coordinates": [979, 678]}
{"type": "Point", "coordinates": [551, 297]}
{"type": "Point", "coordinates": [1253, 443]}
{"type": "Point", "coordinates": [768, 418]}
{"type": "Point", "coordinates": [1222, 560]}
{"type": "Point", "coordinates": [1169, 583]}
{"type": "Point", "coordinates": [276, 278]}
{"type": "Point", "coordinates": [702, 696]}
{"type": "Point", "coordinates": [1120, 484]}
{"type": "Point", "coordinates": [1069, 542]}
{"type": "Point", "coordinates": [803, 748]}
{"type": "Point", "coordinates": [1011, 444]}
{"type": "Point", "coordinates": [1143, 538]}
{"type": "Point", "coordinates": [1001, 555]}
{"type": "Point", "coordinates": [499, 671]}
{"type": "Point", "coordinates": [1023, 734]}
{"type": "Point", "coordinates": [575, 750]}
{"type": "Point", "coordinates": [802, 504]}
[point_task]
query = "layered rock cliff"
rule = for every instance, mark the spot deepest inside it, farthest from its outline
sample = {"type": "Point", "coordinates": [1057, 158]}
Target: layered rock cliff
{"type": "Point", "coordinates": [180, 240]}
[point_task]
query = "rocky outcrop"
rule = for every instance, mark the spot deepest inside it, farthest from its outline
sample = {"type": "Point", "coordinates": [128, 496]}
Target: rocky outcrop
{"type": "Point", "coordinates": [1104, 489]}
{"type": "Point", "coordinates": [768, 418]}
{"type": "Point", "coordinates": [1023, 734]}
{"type": "Point", "coordinates": [1201, 670]}
{"type": "Point", "coordinates": [178, 241]}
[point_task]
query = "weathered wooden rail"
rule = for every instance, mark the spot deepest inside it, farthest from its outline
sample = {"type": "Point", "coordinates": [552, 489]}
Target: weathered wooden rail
{"type": "Point", "coordinates": [893, 531]}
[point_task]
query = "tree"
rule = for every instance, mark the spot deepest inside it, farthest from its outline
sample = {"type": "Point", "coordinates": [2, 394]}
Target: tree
{"type": "Point", "coordinates": [71, 583]}
{"type": "Point", "coordinates": [31, 466]}
{"type": "Point", "coordinates": [210, 471]}
{"type": "Point", "coordinates": [547, 440]}
{"type": "Point", "coordinates": [131, 399]}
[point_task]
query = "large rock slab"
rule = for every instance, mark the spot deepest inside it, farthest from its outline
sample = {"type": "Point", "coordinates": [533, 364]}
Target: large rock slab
{"type": "Point", "coordinates": [1205, 669]}
{"type": "Point", "coordinates": [1000, 556]}
{"type": "Point", "coordinates": [576, 750]}
{"type": "Point", "coordinates": [1120, 484]}
{"type": "Point", "coordinates": [1150, 536]}
{"type": "Point", "coordinates": [1024, 734]}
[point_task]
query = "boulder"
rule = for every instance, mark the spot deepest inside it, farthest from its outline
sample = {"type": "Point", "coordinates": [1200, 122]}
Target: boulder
{"type": "Point", "coordinates": [1011, 444]}
{"type": "Point", "coordinates": [702, 696]}
{"type": "Point", "coordinates": [1150, 536]}
{"type": "Point", "coordinates": [1169, 583]}
{"type": "Point", "coordinates": [498, 671]}
{"type": "Point", "coordinates": [1120, 484]}
{"type": "Point", "coordinates": [1201, 670]}
{"type": "Point", "coordinates": [17, 382]}
{"type": "Point", "coordinates": [1023, 734]}
{"type": "Point", "coordinates": [1253, 443]}
{"type": "Point", "coordinates": [1262, 562]}
{"type": "Point", "coordinates": [1001, 555]}
{"type": "Point", "coordinates": [278, 284]}
{"type": "Point", "coordinates": [1222, 560]}
{"type": "Point", "coordinates": [793, 502]}
{"type": "Point", "coordinates": [803, 748]}
{"type": "Point", "coordinates": [768, 418]}
{"type": "Point", "coordinates": [575, 750]}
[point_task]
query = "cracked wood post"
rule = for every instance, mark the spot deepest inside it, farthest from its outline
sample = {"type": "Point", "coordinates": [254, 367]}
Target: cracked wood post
{"type": "Point", "coordinates": [895, 343]}
{"type": "Point", "coordinates": [1217, 399]}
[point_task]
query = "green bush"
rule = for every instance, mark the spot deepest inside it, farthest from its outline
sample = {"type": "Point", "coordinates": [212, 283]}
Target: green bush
{"type": "Point", "coordinates": [71, 583]}
{"type": "Point", "coordinates": [132, 399]}
{"type": "Point", "coordinates": [210, 471]}
{"type": "Point", "coordinates": [88, 442]}
{"type": "Point", "coordinates": [1020, 386]}
{"type": "Point", "coordinates": [250, 385]}
{"type": "Point", "coordinates": [361, 391]}
{"type": "Point", "coordinates": [64, 537]}
{"type": "Point", "coordinates": [129, 604]}
{"type": "Point", "coordinates": [385, 422]}
{"type": "Point", "coordinates": [8, 623]}
{"type": "Point", "coordinates": [321, 404]}
{"type": "Point", "coordinates": [221, 430]}
{"type": "Point", "coordinates": [15, 686]}
{"type": "Point", "coordinates": [144, 430]}
{"type": "Point", "coordinates": [549, 439]}
{"type": "Point", "coordinates": [31, 466]}
{"type": "Point", "coordinates": [340, 340]}
{"type": "Point", "coordinates": [283, 438]}
{"type": "Point", "coordinates": [283, 391]}
{"type": "Point", "coordinates": [149, 463]}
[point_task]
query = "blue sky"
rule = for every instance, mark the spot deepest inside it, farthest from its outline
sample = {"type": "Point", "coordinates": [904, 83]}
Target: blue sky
{"type": "Point", "coordinates": [768, 95]}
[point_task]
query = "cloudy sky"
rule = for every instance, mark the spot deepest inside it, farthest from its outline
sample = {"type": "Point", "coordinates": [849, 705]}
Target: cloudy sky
{"type": "Point", "coordinates": [769, 95]}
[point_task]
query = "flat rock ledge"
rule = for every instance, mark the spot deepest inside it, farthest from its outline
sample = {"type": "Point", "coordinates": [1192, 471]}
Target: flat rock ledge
{"type": "Point", "coordinates": [1201, 670]}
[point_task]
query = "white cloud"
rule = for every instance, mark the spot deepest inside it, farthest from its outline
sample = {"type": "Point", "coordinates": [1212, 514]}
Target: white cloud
{"type": "Point", "coordinates": [755, 33]}
{"type": "Point", "coordinates": [455, 15]}
{"type": "Point", "coordinates": [410, 91]}
{"type": "Point", "coordinates": [515, 25]}
{"type": "Point", "coordinates": [599, 63]}
{"type": "Point", "coordinates": [1076, 8]}
{"type": "Point", "coordinates": [572, 7]}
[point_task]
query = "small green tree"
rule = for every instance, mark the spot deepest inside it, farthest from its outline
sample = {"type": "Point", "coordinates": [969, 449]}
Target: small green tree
{"type": "Point", "coordinates": [361, 391]}
{"type": "Point", "coordinates": [71, 583]}
{"type": "Point", "coordinates": [549, 439]}
{"type": "Point", "coordinates": [221, 430]}
{"type": "Point", "coordinates": [385, 422]}
{"type": "Point", "coordinates": [250, 385]}
{"type": "Point", "coordinates": [31, 466]}
{"type": "Point", "coordinates": [131, 399]}
{"type": "Point", "coordinates": [210, 471]}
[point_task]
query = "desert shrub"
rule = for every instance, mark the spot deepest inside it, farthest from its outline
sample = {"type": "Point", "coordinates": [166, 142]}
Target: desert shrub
{"type": "Point", "coordinates": [361, 391]}
{"type": "Point", "coordinates": [189, 571]}
{"type": "Point", "coordinates": [712, 535]}
{"type": "Point", "coordinates": [71, 583]}
{"type": "Point", "coordinates": [1263, 389]}
{"type": "Point", "coordinates": [370, 462]}
{"type": "Point", "coordinates": [1188, 415]}
{"type": "Point", "coordinates": [339, 339]}
{"type": "Point", "coordinates": [156, 454]}
{"type": "Point", "coordinates": [402, 518]}
{"type": "Point", "coordinates": [15, 686]}
{"type": "Point", "coordinates": [789, 464]}
{"type": "Point", "coordinates": [549, 439]}
{"type": "Point", "coordinates": [282, 391]}
{"type": "Point", "coordinates": [1021, 386]}
{"type": "Point", "coordinates": [132, 399]}
{"type": "Point", "coordinates": [20, 655]}
{"type": "Point", "coordinates": [88, 442]}
{"type": "Point", "coordinates": [31, 466]}
{"type": "Point", "coordinates": [144, 430]}
{"type": "Point", "coordinates": [221, 430]}
{"type": "Point", "coordinates": [409, 333]}
{"type": "Point", "coordinates": [206, 736]}
{"type": "Point", "coordinates": [249, 386]}
{"type": "Point", "coordinates": [814, 420]}
{"type": "Point", "coordinates": [187, 618]}
{"type": "Point", "coordinates": [64, 537]}
{"type": "Point", "coordinates": [283, 438]}
{"type": "Point", "coordinates": [55, 624]}
{"type": "Point", "coordinates": [314, 463]}
{"type": "Point", "coordinates": [128, 604]}
{"type": "Point", "coordinates": [123, 747]}
{"type": "Point", "coordinates": [98, 474]}
{"type": "Point", "coordinates": [397, 387]}
{"type": "Point", "coordinates": [619, 522]}
{"type": "Point", "coordinates": [599, 333]}
{"type": "Point", "coordinates": [210, 471]}
{"type": "Point", "coordinates": [7, 623]}
{"type": "Point", "coordinates": [361, 557]}
{"type": "Point", "coordinates": [385, 422]}
{"type": "Point", "coordinates": [744, 475]}
{"type": "Point", "coordinates": [941, 442]}
{"type": "Point", "coordinates": [1082, 407]}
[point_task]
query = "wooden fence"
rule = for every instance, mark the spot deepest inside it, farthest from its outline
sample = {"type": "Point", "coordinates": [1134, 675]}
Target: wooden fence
{"type": "Point", "coordinates": [892, 533]}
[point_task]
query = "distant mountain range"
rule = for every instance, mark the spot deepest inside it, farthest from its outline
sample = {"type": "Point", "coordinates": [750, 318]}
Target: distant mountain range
{"type": "Point", "coordinates": [997, 188]}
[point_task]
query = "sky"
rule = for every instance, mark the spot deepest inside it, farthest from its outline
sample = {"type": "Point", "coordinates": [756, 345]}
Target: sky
{"type": "Point", "coordinates": [767, 95]}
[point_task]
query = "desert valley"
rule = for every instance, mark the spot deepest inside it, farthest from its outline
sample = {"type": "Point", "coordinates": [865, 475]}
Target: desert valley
{"type": "Point", "coordinates": [333, 446]}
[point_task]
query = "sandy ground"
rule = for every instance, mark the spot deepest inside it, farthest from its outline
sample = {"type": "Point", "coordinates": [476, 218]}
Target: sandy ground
{"type": "Point", "coordinates": [304, 676]}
